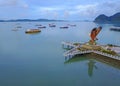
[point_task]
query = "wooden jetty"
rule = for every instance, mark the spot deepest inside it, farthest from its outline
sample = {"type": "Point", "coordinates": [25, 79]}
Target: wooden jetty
{"type": "Point", "coordinates": [74, 51]}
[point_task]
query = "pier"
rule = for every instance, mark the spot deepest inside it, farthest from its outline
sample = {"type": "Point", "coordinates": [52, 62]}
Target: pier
{"type": "Point", "coordinates": [74, 51]}
{"type": "Point", "coordinates": [68, 44]}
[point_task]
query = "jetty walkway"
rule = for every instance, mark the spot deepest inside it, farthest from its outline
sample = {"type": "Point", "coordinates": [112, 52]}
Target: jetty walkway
{"type": "Point", "coordinates": [68, 44]}
{"type": "Point", "coordinates": [74, 51]}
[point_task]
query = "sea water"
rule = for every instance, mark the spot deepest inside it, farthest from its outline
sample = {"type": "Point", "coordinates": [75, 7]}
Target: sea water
{"type": "Point", "coordinates": [37, 59]}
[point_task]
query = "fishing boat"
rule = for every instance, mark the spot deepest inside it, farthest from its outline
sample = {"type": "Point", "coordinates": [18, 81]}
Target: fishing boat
{"type": "Point", "coordinates": [64, 27]}
{"type": "Point", "coordinates": [72, 25]}
{"type": "Point", "coordinates": [52, 25]}
{"type": "Point", "coordinates": [40, 27]}
{"type": "Point", "coordinates": [19, 27]}
{"type": "Point", "coordinates": [15, 29]}
{"type": "Point", "coordinates": [115, 29]}
{"type": "Point", "coordinates": [32, 31]}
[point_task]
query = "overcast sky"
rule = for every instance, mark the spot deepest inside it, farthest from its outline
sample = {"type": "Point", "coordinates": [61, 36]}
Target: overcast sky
{"type": "Point", "coordinates": [57, 9]}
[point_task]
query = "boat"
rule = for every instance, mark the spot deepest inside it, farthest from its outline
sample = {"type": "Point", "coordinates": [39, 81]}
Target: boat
{"type": "Point", "coordinates": [52, 25]}
{"type": "Point", "coordinates": [32, 31]}
{"type": "Point", "coordinates": [64, 27]}
{"type": "Point", "coordinates": [72, 25]}
{"type": "Point", "coordinates": [15, 29]}
{"type": "Point", "coordinates": [19, 27]}
{"type": "Point", "coordinates": [115, 29]}
{"type": "Point", "coordinates": [40, 27]}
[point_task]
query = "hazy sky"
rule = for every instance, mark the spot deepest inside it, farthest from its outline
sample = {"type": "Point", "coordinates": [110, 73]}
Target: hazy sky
{"type": "Point", "coordinates": [57, 9]}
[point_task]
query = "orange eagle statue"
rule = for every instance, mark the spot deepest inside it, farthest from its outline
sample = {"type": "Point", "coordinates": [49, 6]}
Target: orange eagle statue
{"type": "Point", "coordinates": [94, 33]}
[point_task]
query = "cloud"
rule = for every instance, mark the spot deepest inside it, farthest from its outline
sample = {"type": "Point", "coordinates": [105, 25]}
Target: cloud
{"type": "Point", "coordinates": [49, 11]}
{"type": "Point", "coordinates": [8, 2]}
{"type": "Point", "coordinates": [66, 14]}
{"type": "Point", "coordinates": [13, 3]}
{"type": "Point", "coordinates": [84, 10]}
{"type": "Point", "coordinates": [67, 11]}
{"type": "Point", "coordinates": [109, 8]}
{"type": "Point", "coordinates": [70, 10]}
{"type": "Point", "coordinates": [54, 8]}
{"type": "Point", "coordinates": [92, 10]}
{"type": "Point", "coordinates": [56, 15]}
{"type": "Point", "coordinates": [12, 9]}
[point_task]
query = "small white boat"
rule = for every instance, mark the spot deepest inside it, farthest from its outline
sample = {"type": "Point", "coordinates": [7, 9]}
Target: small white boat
{"type": "Point", "coordinates": [19, 27]}
{"type": "Point", "coordinates": [52, 25]}
{"type": "Point", "coordinates": [15, 29]}
{"type": "Point", "coordinates": [72, 25]}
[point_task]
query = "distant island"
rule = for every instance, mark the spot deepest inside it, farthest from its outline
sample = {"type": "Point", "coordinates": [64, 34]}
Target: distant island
{"type": "Point", "coordinates": [30, 20]}
{"type": "Point", "coordinates": [105, 19]}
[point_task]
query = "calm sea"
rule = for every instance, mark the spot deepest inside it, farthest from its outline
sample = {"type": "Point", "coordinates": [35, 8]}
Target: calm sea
{"type": "Point", "coordinates": [37, 59]}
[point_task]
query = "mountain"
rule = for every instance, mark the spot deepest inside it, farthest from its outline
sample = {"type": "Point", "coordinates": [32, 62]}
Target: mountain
{"type": "Point", "coordinates": [105, 19]}
{"type": "Point", "coordinates": [29, 20]}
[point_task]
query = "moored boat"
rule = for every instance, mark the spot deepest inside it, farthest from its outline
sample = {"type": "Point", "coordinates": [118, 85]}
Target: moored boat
{"type": "Point", "coordinates": [52, 25]}
{"type": "Point", "coordinates": [32, 31]}
{"type": "Point", "coordinates": [115, 28]}
{"type": "Point", "coordinates": [72, 25]}
{"type": "Point", "coordinates": [40, 27]}
{"type": "Point", "coordinates": [64, 27]}
{"type": "Point", "coordinates": [19, 27]}
{"type": "Point", "coordinates": [15, 29]}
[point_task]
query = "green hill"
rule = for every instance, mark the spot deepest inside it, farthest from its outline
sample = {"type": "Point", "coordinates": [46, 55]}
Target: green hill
{"type": "Point", "coordinates": [105, 19]}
